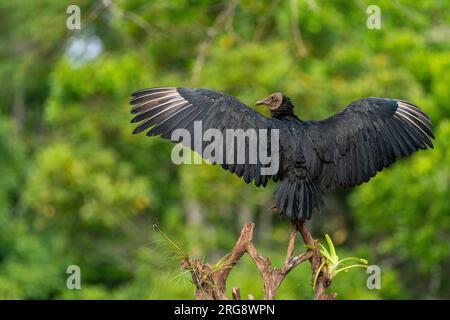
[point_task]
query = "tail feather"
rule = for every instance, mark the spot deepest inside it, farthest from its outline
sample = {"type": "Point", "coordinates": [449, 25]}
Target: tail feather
{"type": "Point", "coordinates": [298, 199]}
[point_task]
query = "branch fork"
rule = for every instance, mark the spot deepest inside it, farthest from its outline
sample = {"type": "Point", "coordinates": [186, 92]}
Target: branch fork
{"type": "Point", "coordinates": [210, 281]}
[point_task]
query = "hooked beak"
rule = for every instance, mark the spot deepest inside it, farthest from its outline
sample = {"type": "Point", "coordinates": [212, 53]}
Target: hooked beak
{"type": "Point", "coordinates": [262, 102]}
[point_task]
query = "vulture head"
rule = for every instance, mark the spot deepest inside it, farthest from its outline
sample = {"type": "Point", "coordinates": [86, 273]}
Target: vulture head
{"type": "Point", "coordinates": [274, 101]}
{"type": "Point", "coordinates": [279, 105]}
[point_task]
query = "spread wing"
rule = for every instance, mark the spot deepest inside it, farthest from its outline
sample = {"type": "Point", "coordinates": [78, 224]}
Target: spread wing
{"type": "Point", "coordinates": [370, 134]}
{"type": "Point", "coordinates": [163, 110]}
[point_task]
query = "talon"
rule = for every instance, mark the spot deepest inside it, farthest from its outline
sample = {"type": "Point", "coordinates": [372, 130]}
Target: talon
{"type": "Point", "coordinates": [274, 208]}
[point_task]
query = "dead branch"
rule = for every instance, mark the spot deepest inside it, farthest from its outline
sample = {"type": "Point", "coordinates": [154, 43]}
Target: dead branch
{"type": "Point", "coordinates": [130, 16]}
{"type": "Point", "coordinates": [264, 20]}
{"type": "Point", "coordinates": [295, 29]}
{"type": "Point", "coordinates": [222, 20]}
{"type": "Point", "coordinates": [210, 281]}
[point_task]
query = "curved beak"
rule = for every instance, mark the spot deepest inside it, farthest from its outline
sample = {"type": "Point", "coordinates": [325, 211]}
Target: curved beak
{"type": "Point", "coordinates": [262, 102]}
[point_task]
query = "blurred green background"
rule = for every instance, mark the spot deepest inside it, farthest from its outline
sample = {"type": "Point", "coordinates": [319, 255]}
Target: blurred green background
{"type": "Point", "coordinates": [76, 187]}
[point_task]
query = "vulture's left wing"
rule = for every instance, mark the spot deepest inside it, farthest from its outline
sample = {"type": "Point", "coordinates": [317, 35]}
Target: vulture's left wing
{"type": "Point", "coordinates": [370, 134]}
{"type": "Point", "coordinates": [163, 110]}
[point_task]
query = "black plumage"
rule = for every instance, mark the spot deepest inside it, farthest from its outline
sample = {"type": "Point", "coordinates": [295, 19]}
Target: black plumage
{"type": "Point", "coordinates": [344, 150]}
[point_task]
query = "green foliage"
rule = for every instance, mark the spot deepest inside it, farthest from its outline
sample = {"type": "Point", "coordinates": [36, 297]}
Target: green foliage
{"type": "Point", "coordinates": [412, 223]}
{"type": "Point", "coordinates": [77, 188]}
{"type": "Point", "coordinates": [333, 264]}
{"type": "Point", "coordinates": [97, 184]}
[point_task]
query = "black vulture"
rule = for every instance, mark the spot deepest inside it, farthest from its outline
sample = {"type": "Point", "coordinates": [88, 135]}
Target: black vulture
{"type": "Point", "coordinates": [344, 150]}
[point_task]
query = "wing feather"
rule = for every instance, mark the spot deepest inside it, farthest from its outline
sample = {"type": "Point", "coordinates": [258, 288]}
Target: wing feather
{"type": "Point", "coordinates": [367, 136]}
{"type": "Point", "coordinates": [163, 110]}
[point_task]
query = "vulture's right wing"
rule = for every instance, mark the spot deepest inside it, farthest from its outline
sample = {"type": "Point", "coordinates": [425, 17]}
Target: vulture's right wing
{"type": "Point", "coordinates": [370, 134]}
{"type": "Point", "coordinates": [163, 110]}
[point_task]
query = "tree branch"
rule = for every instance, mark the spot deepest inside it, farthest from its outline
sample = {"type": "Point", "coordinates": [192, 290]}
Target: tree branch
{"type": "Point", "coordinates": [210, 281]}
{"type": "Point", "coordinates": [295, 29]}
{"type": "Point", "coordinates": [221, 21]}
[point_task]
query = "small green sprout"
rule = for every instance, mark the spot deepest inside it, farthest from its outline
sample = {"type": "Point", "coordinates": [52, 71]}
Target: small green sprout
{"type": "Point", "coordinates": [332, 262]}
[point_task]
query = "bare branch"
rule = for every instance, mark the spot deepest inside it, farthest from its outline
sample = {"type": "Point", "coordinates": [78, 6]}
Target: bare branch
{"type": "Point", "coordinates": [220, 22]}
{"type": "Point", "coordinates": [291, 246]}
{"type": "Point", "coordinates": [295, 29]}
{"type": "Point", "coordinates": [210, 281]}
{"type": "Point", "coordinates": [264, 18]}
{"type": "Point", "coordinates": [130, 16]}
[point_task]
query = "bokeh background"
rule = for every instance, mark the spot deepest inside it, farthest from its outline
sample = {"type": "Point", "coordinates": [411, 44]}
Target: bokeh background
{"type": "Point", "coordinates": [76, 187]}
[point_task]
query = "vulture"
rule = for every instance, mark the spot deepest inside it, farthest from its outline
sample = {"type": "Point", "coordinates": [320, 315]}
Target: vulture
{"type": "Point", "coordinates": [314, 157]}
